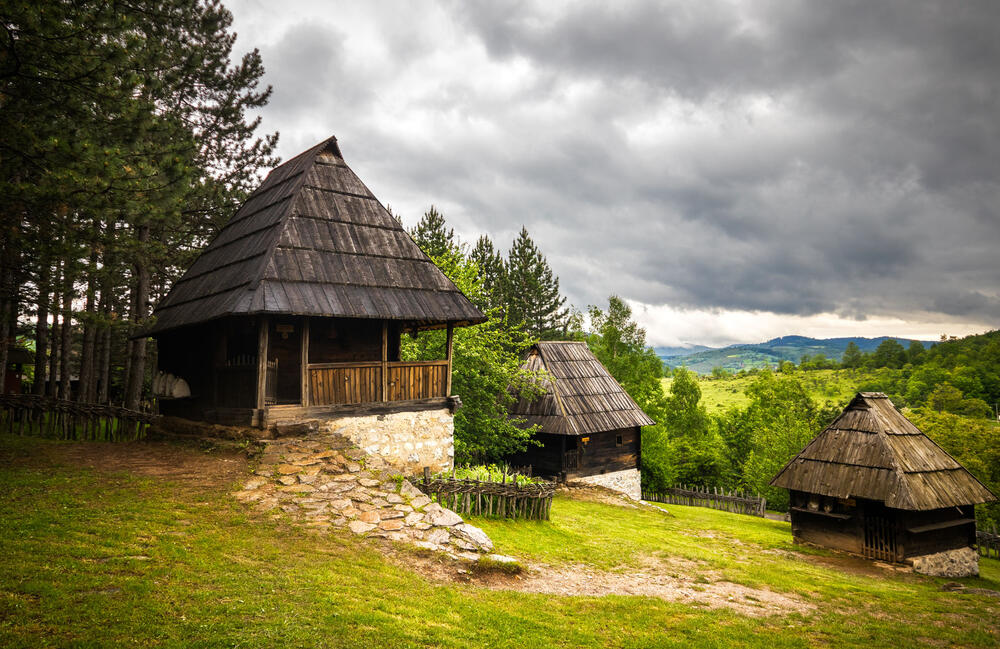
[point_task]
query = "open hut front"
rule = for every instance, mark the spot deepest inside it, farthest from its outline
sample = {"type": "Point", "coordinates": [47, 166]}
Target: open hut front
{"type": "Point", "coordinates": [589, 426]}
{"type": "Point", "coordinates": [872, 484]}
{"type": "Point", "coordinates": [297, 307]}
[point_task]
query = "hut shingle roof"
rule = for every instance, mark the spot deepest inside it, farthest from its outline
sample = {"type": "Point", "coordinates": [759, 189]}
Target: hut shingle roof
{"type": "Point", "coordinates": [313, 240]}
{"type": "Point", "coordinates": [580, 397]}
{"type": "Point", "coordinates": [872, 451]}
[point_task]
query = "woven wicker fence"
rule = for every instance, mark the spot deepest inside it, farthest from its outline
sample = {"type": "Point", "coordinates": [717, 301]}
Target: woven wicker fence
{"type": "Point", "coordinates": [32, 414]}
{"type": "Point", "coordinates": [734, 501]}
{"type": "Point", "coordinates": [988, 543]}
{"type": "Point", "coordinates": [481, 498]}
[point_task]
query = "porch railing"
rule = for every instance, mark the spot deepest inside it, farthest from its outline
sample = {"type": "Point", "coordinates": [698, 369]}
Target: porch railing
{"type": "Point", "coordinates": [362, 382]}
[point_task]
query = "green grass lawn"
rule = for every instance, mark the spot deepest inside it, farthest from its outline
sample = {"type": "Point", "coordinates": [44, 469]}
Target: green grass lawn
{"type": "Point", "coordinates": [97, 559]}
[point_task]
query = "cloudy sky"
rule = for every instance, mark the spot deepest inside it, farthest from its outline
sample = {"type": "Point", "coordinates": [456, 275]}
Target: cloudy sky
{"type": "Point", "coordinates": [736, 170]}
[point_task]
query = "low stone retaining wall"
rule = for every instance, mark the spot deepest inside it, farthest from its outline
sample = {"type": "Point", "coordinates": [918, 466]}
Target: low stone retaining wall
{"type": "Point", "coordinates": [628, 482]}
{"type": "Point", "coordinates": [963, 562]}
{"type": "Point", "coordinates": [328, 482]}
{"type": "Point", "coordinates": [407, 440]}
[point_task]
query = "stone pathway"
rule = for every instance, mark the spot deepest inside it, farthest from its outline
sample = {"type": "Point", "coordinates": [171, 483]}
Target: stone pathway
{"type": "Point", "coordinates": [327, 482]}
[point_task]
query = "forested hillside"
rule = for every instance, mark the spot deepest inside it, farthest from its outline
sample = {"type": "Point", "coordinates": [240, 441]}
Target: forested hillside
{"type": "Point", "coordinates": [740, 429]}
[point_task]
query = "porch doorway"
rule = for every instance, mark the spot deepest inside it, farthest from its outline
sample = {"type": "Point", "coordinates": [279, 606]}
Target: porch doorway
{"type": "Point", "coordinates": [880, 535]}
{"type": "Point", "coordinates": [285, 347]}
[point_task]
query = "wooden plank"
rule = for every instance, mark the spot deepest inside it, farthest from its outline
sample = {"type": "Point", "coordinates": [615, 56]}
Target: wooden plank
{"type": "Point", "coordinates": [262, 333]}
{"type": "Point", "coordinates": [385, 359]}
{"type": "Point", "coordinates": [304, 362]}
{"type": "Point", "coordinates": [451, 337]}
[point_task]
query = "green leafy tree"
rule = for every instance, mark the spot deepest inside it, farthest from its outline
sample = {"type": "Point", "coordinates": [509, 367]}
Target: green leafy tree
{"type": "Point", "coordinates": [781, 419]}
{"type": "Point", "coordinates": [697, 451]}
{"type": "Point", "coordinates": [915, 352]}
{"type": "Point", "coordinates": [532, 291]}
{"type": "Point", "coordinates": [889, 354]}
{"type": "Point", "coordinates": [620, 344]}
{"type": "Point", "coordinates": [486, 370]}
{"type": "Point", "coordinates": [945, 398]}
{"type": "Point", "coordinates": [852, 358]}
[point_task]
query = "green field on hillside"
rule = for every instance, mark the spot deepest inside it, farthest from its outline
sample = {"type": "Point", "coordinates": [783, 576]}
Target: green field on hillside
{"type": "Point", "coordinates": [833, 386]}
{"type": "Point", "coordinates": [101, 558]}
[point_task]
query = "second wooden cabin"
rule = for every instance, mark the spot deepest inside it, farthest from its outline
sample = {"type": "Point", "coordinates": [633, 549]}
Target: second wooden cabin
{"type": "Point", "coordinates": [871, 483]}
{"type": "Point", "coordinates": [590, 428]}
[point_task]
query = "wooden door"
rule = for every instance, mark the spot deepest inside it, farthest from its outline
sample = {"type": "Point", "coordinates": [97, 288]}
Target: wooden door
{"type": "Point", "coordinates": [880, 535]}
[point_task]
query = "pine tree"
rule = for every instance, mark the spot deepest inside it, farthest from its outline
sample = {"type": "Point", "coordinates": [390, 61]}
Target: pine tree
{"type": "Point", "coordinates": [532, 291]}
{"type": "Point", "coordinates": [432, 236]}
{"type": "Point", "coordinates": [492, 273]}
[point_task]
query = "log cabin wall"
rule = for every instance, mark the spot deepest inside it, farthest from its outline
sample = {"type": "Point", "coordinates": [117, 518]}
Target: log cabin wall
{"type": "Point", "coordinates": [545, 460]}
{"type": "Point", "coordinates": [828, 522]}
{"type": "Point", "coordinates": [350, 340]}
{"type": "Point", "coordinates": [938, 530]}
{"type": "Point", "coordinates": [604, 452]}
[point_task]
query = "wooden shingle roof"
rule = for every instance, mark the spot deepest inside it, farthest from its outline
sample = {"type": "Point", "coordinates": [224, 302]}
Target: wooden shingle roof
{"type": "Point", "coordinates": [313, 240]}
{"type": "Point", "coordinates": [580, 397]}
{"type": "Point", "coordinates": [872, 451]}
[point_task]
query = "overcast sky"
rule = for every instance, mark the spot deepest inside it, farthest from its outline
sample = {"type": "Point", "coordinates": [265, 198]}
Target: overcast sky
{"type": "Point", "coordinates": [736, 170]}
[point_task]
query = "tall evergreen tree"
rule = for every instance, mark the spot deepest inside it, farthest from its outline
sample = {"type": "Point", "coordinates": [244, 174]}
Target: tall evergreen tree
{"type": "Point", "coordinates": [492, 273]}
{"type": "Point", "coordinates": [532, 291]}
{"type": "Point", "coordinates": [433, 237]}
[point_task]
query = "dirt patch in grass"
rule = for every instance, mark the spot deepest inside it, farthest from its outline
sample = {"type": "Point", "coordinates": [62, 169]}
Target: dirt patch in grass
{"type": "Point", "coordinates": [183, 463]}
{"type": "Point", "coordinates": [670, 579]}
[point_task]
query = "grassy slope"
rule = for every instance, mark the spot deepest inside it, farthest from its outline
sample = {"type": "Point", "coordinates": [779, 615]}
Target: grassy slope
{"type": "Point", "coordinates": [835, 386]}
{"type": "Point", "coordinates": [98, 560]}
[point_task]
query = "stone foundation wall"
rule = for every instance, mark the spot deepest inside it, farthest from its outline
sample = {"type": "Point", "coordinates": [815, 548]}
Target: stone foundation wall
{"type": "Point", "coordinates": [963, 562]}
{"type": "Point", "coordinates": [408, 441]}
{"type": "Point", "coordinates": [628, 482]}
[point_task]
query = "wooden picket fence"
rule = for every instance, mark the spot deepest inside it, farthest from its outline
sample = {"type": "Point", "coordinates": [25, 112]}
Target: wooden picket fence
{"type": "Point", "coordinates": [32, 414]}
{"type": "Point", "coordinates": [482, 498]}
{"type": "Point", "coordinates": [988, 543]}
{"type": "Point", "coordinates": [734, 501]}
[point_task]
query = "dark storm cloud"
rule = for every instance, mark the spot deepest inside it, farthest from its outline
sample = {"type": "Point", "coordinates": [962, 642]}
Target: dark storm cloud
{"type": "Point", "coordinates": [788, 157]}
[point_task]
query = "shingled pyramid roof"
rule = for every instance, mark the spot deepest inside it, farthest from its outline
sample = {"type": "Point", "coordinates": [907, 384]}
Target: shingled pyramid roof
{"type": "Point", "coordinates": [313, 240]}
{"type": "Point", "coordinates": [581, 396]}
{"type": "Point", "coordinates": [872, 451]}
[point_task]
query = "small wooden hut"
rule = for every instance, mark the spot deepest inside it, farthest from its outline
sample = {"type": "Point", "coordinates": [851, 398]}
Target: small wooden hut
{"type": "Point", "coordinates": [589, 426]}
{"type": "Point", "coordinates": [872, 484]}
{"type": "Point", "coordinates": [296, 308]}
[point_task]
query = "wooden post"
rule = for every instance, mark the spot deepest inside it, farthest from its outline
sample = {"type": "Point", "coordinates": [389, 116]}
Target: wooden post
{"type": "Point", "coordinates": [451, 339]}
{"type": "Point", "coordinates": [304, 369]}
{"type": "Point", "coordinates": [385, 359]}
{"type": "Point", "coordinates": [262, 332]}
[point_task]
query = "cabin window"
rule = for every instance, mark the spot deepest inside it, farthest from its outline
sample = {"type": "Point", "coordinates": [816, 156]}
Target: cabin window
{"type": "Point", "coordinates": [619, 440]}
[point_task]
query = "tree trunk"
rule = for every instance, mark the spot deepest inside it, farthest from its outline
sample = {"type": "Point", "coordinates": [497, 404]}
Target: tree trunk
{"type": "Point", "coordinates": [137, 359]}
{"type": "Point", "coordinates": [104, 371]}
{"type": "Point", "coordinates": [67, 340]}
{"type": "Point", "coordinates": [41, 333]}
{"type": "Point", "coordinates": [87, 390]}
{"type": "Point", "coordinates": [52, 388]}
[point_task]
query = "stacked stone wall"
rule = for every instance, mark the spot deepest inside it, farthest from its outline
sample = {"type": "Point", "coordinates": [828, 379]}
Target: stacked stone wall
{"type": "Point", "coordinates": [963, 562]}
{"type": "Point", "coordinates": [628, 482]}
{"type": "Point", "coordinates": [408, 441]}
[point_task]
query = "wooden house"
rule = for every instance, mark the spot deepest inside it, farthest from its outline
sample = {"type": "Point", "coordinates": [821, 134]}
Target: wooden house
{"type": "Point", "coordinates": [589, 426]}
{"type": "Point", "coordinates": [17, 358]}
{"type": "Point", "coordinates": [872, 484]}
{"type": "Point", "coordinates": [295, 310]}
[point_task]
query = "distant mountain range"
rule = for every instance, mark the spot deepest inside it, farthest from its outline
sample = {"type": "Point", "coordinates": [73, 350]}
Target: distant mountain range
{"type": "Point", "coordinates": [702, 359]}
